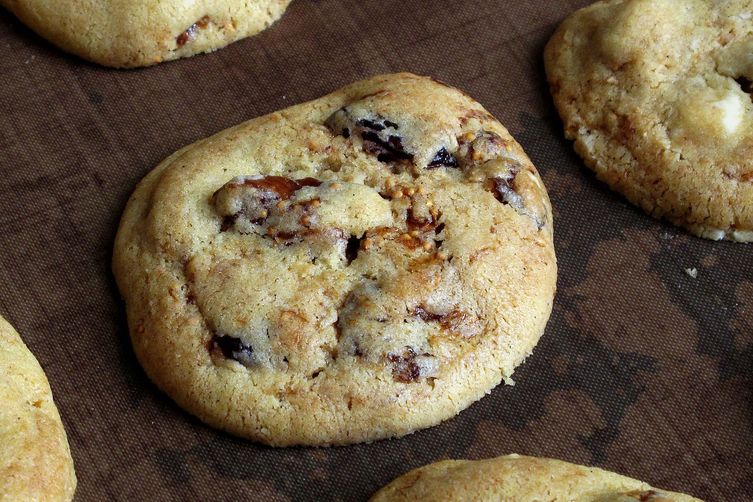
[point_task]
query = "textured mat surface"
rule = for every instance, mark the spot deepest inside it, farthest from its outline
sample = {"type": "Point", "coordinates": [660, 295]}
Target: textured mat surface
{"type": "Point", "coordinates": [643, 370]}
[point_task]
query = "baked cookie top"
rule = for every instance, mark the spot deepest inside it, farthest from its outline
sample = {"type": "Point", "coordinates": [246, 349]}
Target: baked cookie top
{"type": "Point", "coordinates": [35, 462]}
{"type": "Point", "coordinates": [349, 269]}
{"type": "Point", "coordinates": [657, 96]}
{"type": "Point", "coordinates": [518, 478]}
{"type": "Point", "coordinates": [133, 33]}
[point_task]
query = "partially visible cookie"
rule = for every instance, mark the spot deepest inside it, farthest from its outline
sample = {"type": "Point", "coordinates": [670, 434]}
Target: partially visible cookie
{"type": "Point", "coordinates": [518, 478]}
{"type": "Point", "coordinates": [35, 461]}
{"type": "Point", "coordinates": [133, 33]}
{"type": "Point", "coordinates": [657, 96]}
{"type": "Point", "coordinates": [349, 269]}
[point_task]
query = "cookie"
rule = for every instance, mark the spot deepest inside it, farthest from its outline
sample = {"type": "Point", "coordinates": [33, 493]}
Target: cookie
{"type": "Point", "coordinates": [349, 269]}
{"type": "Point", "coordinates": [133, 33]}
{"type": "Point", "coordinates": [657, 96]}
{"type": "Point", "coordinates": [35, 461]}
{"type": "Point", "coordinates": [515, 477]}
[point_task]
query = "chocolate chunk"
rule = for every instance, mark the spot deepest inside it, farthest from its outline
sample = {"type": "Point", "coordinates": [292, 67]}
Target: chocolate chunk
{"type": "Point", "coordinates": [480, 148]}
{"type": "Point", "coordinates": [455, 321]}
{"type": "Point", "coordinates": [505, 193]}
{"type": "Point", "coordinates": [309, 182]}
{"type": "Point", "coordinates": [503, 188]}
{"type": "Point", "coordinates": [421, 223]}
{"type": "Point", "coordinates": [228, 222]}
{"type": "Point", "coordinates": [410, 367]}
{"type": "Point", "coordinates": [370, 124]}
{"type": "Point", "coordinates": [389, 150]}
{"type": "Point", "coordinates": [186, 36]}
{"type": "Point", "coordinates": [746, 85]}
{"type": "Point", "coordinates": [190, 34]}
{"type": "Point", "coordinates": [404, 367]}
{"type": "Point", "coordinates": [351, 250]}
{"type": "Point", "coordinates": [250, 199]}
{"type": "Point", "coordinates": [234, 348]}
{"type": "Point", "coordinates": [420, 215]}
{"type": "Point", "coordinates": [424, 315]}
{"type": "Point", "coordinates": [460, 323]}
{"type": "Point", "coordinates": [648, 496]}
{"type": "Point", "coordinates": [443, 158]}
{"type": "Point", "coordinates": [377, 133]}
{"type": "Point", "coordinates": [280, 185]}
{"type": "Point", "coordinates": [285, 237]}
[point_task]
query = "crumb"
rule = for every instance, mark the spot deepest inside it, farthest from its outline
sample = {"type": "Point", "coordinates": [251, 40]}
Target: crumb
{"type": "Point", "coordinates": [692, 272]}
{"type": "Point", "coordinates": [667, 235]}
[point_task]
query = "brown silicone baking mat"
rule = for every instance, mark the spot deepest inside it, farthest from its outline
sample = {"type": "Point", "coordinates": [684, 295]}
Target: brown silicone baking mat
{"type": "Point", "coordinates": [642, 370]}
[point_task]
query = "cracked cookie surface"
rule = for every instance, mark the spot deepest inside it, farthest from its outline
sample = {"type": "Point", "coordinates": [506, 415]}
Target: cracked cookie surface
{"type": "Point", "coordinates": [349, 269]}
{"type": "Point", "coordinates": [515, 477]}
{"type": "Point", "coordinates": [134, 33]}
{"type": "Point", "coordinates": [657, 96]}
{"type": "Point", "coordinates": [35, 461]}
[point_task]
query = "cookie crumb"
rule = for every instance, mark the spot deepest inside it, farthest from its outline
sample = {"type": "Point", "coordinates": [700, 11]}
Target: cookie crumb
{"type": "Point", "coordinates": [667, 235]}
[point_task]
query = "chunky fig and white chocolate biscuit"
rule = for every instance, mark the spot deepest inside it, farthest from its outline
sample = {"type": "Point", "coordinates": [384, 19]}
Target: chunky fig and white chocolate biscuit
{"type": "Point", "coordinates": [132, 33]}
{"type": "Point", "coordinates": [349, 269]}
{"type": "Point", "coordinates": [657, 96]}
{"type": "Point", "coordinates": [518, 478]}
{"type": "Point", "coordinates": [35, 462]}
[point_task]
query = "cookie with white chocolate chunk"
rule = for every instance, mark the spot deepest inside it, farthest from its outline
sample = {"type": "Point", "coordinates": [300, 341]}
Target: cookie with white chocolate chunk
{"type": "Point", "coordinates": [519, 478]}
{"type": "Point", "coordinates": [657, 96]}
{"type": "Point", "coordinates": [349, 269]}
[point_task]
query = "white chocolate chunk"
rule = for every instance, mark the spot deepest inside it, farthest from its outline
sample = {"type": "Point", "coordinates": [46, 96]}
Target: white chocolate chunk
{"type": "Point", "coordinates": [713, 234]}
{"type": "Point", "coordinates": [742, 236]}
{"type": "Point", "coordinates": [731, 111]}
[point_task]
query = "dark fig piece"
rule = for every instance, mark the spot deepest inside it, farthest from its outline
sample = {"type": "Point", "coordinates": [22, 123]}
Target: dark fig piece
{"type": "Point", "coordinates": [443, 158]}
{"type": "Point", "coordinates": [234, 348]}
